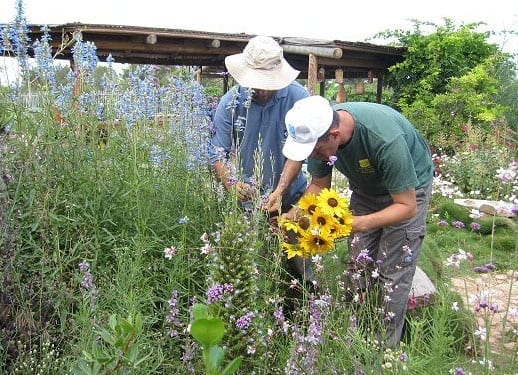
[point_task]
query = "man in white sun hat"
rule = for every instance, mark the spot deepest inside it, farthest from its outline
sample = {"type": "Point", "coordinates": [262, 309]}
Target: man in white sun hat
{"type": "Point", "coordinates": [249, 121]}
{"type": "Point", "coordinates": [389, 168]}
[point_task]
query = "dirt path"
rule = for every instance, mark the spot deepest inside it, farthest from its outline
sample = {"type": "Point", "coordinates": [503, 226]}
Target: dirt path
{"type": "Point", "coordinates": [500, 292]}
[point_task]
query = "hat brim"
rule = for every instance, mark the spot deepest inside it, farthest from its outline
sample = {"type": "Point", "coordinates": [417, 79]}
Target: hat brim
{"type": "Point", "coordinates": [298, 151]}
{"type": "Point", "coordinates": [261, 79]}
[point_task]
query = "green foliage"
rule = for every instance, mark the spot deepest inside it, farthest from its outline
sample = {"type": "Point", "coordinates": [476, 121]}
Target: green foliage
{"type": "Point", "coordinates": [208, 332]}
{"type": "Point", "coordinates": [452, 77]}
{"type": "Point", "coordinates": [67, 195]}
{"type": "Point", "coordinates": [6, 110]}
{"type": "Point", "coordinates": [118, 353]}
{"type": "Point", "coordinates": [369, 94]}
{"type": "Point", "coordinates": [433, 59]}
{"type": "Point", "coordinates": [452, 211]}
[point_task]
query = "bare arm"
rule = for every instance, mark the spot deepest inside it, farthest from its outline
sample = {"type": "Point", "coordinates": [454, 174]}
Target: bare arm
{"type": "Point", "coordinates": [289, 173]}
{"type": "Point", "coordinates": [243, 190]}
{"type": "Point", "coordinates": [316, 185]}
{"type": "Point", "coordinates": [404, 207]}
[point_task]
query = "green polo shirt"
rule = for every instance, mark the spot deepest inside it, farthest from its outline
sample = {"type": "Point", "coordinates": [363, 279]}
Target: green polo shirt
{"type": "Point", "coordinates": [386, 154]}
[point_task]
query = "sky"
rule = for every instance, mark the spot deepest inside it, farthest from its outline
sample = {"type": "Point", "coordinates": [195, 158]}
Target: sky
{"type": "Point", "coordinates": [352, 21]}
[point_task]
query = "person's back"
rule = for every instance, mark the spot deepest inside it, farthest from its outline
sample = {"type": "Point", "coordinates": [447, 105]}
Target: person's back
{"type": "Point", "coordinates": [257, 129]}
{"type": "Point", "coordinates": [375, 159]}
{"type": "Point", "coordinates": [249, 127]}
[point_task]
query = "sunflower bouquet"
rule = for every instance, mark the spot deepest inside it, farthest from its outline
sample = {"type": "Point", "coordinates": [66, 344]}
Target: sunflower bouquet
{"type": "Point", "coordinates": [321, 219]}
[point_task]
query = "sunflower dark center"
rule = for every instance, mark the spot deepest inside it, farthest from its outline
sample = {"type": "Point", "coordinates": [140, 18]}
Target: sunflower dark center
{"type": "Point", "coordinates": [332, 202]}
{"type": "Point", "coordinates": [311, 209]}
{"type": "Point", "coordinates": [304, 223]}
{"type": "Point", "coordinates": [321, 220]}
{"type": "Point", "coordinates": [319, 241]}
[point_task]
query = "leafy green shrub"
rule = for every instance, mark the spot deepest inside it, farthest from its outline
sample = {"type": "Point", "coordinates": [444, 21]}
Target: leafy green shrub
{"type": "Point", "coordinates": [454, 212]}
{"type": "Point", "coordinates": [506, 243]}
{"type": "Point", "coordinates": [501, 225]}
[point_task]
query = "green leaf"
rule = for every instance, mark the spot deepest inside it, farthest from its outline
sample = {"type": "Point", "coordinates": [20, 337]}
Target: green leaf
{"type": "Point", "coordinates": [208, 331]}
{"type": "Point", "coordinates": [233, 366]}
{"type": "Point", "coordinates": [83, 367]}
{"type": "Point", "coordinates": [132, 353]}
{"type": "Point", "coordinates": [107, 336]}
{"type": "Point", "coordinates": [113, 321]}
{"type": "Point", "coordinates": [216, 356]}
{"type": "Point", "coordinates": [88, 356]}
{"type": "Point", "coordinates": [200, 311]}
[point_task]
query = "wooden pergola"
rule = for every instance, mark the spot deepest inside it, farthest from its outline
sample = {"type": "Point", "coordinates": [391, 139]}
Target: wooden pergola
{"type": "Point", "coordinates": [317, 60]}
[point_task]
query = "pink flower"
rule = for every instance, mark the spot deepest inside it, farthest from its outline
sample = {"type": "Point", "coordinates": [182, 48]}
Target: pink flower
{"type": "Point", "coordinates": [170, 252]}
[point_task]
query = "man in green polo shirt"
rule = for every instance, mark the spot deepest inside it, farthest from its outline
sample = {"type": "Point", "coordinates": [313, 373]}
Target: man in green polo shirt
{"type": "Point", "coordinates": [390, 171]}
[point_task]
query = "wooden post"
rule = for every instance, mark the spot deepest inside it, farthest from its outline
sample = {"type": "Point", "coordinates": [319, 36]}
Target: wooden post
{"type": "Point", "coordinates": [225, 82]}
{"type": "Point", "coordinates": [78, 84]}
{"type": "Point", "coordinates": [379, 89]}
{"type": "Point", "coordinates": [360, 87]}
{"type": "Point", "coordinates": [198, 74]}
{"type": "Point", "coordinates": [312, 73]}
{"type": "Point", "coordinates": [341, 95]}
{"type": "Point", "coordinates": [321, 77]}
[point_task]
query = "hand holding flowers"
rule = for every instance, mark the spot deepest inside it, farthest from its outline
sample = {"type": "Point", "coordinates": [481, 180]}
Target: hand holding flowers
{"type": "Point", "coordinates": [322, 219]}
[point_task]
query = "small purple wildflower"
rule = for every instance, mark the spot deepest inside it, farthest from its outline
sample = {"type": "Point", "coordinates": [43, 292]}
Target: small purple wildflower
{"type": "Point", "coordinates": [244, 322]}
{"type": "Point", "coordinates": [481, 269]}
{"type": "Point", "coordinates": [443, 223]}
{"type": "Point", "coordinates": [217, 292]}
{"type": "Point", "coordinates": [475, 226]}
{"type": "Point", "coordinates": [507, 176]}
{"type": "Point", "coordinates": [172, 316]}
{"type": "Point", "coordinates": [389, 316]}
{"type": "Point", "coordinates": [403, 357]}
{"type": "Point", "coordinates": [458, 224]}
{"type": "Point", "coordinates": [458, 371]}
{"type": "Point", "coordinates": [232, 180]}
{"type": "Point", "coordinates": [332, 160]}
{"type": "Point", "coordinates": [363, 257]}
{"type": "Point", "coordinates": [489, 267]}
{"type": "Point", "coordinates": [88, 281]}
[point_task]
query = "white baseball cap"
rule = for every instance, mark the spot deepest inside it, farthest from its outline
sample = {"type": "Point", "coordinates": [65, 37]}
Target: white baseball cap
{"type": "Point", "coordinates": [306, 121]}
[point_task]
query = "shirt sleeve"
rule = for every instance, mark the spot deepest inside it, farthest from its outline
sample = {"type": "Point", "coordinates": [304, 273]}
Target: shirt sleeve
{"type": "Point", "coordinates": [221, 142]}
{"type": "Point", "coordinates": [318, 168]}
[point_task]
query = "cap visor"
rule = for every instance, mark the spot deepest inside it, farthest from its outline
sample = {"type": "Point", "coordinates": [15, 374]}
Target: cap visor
{"type": "Point", "coordinates": [297, 151]}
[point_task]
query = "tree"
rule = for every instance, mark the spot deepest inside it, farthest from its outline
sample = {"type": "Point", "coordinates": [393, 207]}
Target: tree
{"type": "Point", "coordinates": [450, 78]}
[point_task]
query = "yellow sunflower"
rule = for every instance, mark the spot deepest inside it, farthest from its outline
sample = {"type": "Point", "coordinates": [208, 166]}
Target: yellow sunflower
{"type": "Point", "coordinates": [332, 203]}
{"type": "Point", "coordinates": [320, 219]}
{"type": "Point", "coordinates": [302, 224]}
{"type": "Point", "coordinates": [342, 226]}
{"type": "Point", "coordinates": [308, 203]}
{"type": "Point", "coordinates": [315, 242]}
{"type": "Point", "coordinates": [292, 250]}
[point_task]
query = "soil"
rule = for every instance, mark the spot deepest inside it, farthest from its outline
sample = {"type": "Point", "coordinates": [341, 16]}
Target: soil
{"type": "Point", "coordinates": [498, 289]}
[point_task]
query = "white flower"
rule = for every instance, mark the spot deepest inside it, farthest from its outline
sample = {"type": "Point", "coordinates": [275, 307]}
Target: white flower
{"type": "Point", "coordinates": [455, 306]}
{"type": "Point", "coordinates": [481, 332]}
{"type": "Point", "coordinates": [170, 252]}
{"type": "Point", "coordinates": [206, 249]}
{"type": "Point", "coordinates": [375, 273]}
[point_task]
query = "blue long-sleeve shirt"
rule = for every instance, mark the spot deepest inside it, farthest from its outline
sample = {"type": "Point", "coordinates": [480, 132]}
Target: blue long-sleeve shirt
{"type": "Point", "coordinates": [241, 125]}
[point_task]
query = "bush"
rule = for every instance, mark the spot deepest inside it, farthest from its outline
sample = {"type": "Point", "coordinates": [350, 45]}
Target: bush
{"type": "Point", "coordinates": [453, 212]}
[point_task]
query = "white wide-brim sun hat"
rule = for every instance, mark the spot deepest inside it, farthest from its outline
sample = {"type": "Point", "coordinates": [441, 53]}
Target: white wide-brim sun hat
{"type": "Point", "coordinates": [261, 65]}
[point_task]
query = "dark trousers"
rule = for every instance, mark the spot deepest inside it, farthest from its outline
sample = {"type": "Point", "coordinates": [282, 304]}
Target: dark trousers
{"type": "Point", "coordinates": [394, 251]}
